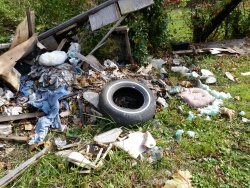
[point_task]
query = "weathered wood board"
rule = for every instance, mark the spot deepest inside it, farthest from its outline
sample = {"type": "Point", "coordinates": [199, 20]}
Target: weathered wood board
{"type": "Point", "coordinates": [128, 6]}
{"type": "Point", "coordinates": [104, 17]}
{"type": "Point", "coordinates": [8, 60]}
{"type": "Point", "coordinates": [22, 31]}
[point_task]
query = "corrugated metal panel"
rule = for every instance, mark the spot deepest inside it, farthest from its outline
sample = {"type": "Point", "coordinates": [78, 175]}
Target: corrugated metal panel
{"type": "Point", "coordinates": [105, 16]}
{"type": "Point", "coordinates": [128, 6]}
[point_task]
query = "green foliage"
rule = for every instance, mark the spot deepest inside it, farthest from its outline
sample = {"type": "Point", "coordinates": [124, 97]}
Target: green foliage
{"type": "Point", "coordinates": [11, 14]}
{"type": "Point", "coordinates": [148, 31]}
{"type": "Point", "coordinates": [236, 25]}
{"type": "Point", "coordinates": [50, 13]}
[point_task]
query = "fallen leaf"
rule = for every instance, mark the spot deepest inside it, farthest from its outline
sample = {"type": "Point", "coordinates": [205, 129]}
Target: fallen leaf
{"type": "Point", "coordinates": [2, 164]}
{"type": "Point", "coordinates": [132, 178]}
{"type": "Point", "coordinates": [229, 112]}
{"type": "Point", "coordinates": [8, 165]}
{"type": "Point", "coordinates": [181, 179]}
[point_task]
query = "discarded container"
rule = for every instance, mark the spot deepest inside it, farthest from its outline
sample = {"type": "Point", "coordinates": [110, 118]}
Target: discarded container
{"type": "Point", "coordinates": [157, 63]}
{"type": "Point", "coordinates": [191, 134]}
{"type": "Point", "coordinates": [174, 90]}
{"type": "Point", "coordinates": [163, 73]}
{"type": "Point", "coordinates": [210, 80]}
{"type": "Point", "coordinates": [181, 69]}
{"type": "Point", "coordinates": [242, 113]}
{"type": "Point", "coordinates": [192, 75]}
{"type": "Point", "coordinates": [205, 74]}
{"type": "Point", "coordinates": [74, 47]}
{"type": "Point", "coordinates": [178, 134]}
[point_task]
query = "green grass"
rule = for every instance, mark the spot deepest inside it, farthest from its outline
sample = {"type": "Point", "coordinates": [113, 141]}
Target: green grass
{"type": "Point", "coordinates": [218, 155]}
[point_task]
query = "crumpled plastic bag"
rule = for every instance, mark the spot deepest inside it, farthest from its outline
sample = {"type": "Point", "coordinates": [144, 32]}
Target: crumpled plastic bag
{"type": "Point", "coordinates": [53, 58]}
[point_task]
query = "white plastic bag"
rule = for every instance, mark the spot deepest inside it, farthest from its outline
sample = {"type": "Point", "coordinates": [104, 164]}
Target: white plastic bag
{"type": "Point", "coordinates": [53, 58]}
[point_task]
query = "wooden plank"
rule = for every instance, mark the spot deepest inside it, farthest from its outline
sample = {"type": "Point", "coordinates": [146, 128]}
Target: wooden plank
{"type": "Point", "coordinates": [62, 43]}
{"type": "Point", "coordinates": [21, 116]}
{"type": "Point", "coordinates": [104, 17]}
{"type": "Point", "coordinates": [77, 19]}
{"type": "Point", "coordinates": [31, 21]}
{"type": "Point", "coordinates": [8, 60]}
{"type": "Point", "coordinates": [14, 138]}
{"type": "Point", "coordinates": [21, 33]}
{"type": "Point", "coordinates": [50, 43]}
{"type": "Point", "coordinates": [128, 6]}
{"type": "Point", "coordinates": [107, 35]}
{"type": "Point", "coordinates": [66, 29]}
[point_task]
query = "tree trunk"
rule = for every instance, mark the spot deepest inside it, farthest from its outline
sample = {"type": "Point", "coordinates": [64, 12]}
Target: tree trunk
{"type": "Point", "coordinates": [214, 22]}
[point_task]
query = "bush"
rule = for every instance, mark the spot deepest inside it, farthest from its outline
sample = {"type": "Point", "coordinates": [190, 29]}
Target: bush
{"type": "Point", "coordinates": [148, 31]}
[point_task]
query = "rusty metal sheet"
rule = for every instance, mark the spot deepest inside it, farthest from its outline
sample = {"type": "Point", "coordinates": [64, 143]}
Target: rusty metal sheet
{"type": "Point", "coordinates": [128, 6]}
{"type": "Point", "coordinates": [105, 16]}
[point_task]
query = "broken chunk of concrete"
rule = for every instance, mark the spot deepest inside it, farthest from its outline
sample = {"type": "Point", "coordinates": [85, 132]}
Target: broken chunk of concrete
{"type": "Point", "coordinates": [22, 30]}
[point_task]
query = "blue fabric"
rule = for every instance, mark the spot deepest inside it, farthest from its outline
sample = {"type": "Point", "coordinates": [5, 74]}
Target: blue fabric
{"type": "Point", "coordinates": [49, 104]}
{"type": "Point", "coordinates": [26, 86]}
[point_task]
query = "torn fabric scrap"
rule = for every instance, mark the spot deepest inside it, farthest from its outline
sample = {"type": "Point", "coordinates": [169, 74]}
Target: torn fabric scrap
{"type": "Point", "coordinates": [50, 105]}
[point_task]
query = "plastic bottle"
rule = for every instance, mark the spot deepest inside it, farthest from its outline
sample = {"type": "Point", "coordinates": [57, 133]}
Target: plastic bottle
{"type": "Point", "coordinates": [164, 73]}
{"type": "Point", "coordinates": [192, 75]}
{"type": "Point", "coordinates": [174, 90]}
{"type": "Point", "coordinates": [181, 69]}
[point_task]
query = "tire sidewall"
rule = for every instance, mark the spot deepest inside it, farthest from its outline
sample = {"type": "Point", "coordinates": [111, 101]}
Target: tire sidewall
{"type": "Point", "coordinates": [126, 115]}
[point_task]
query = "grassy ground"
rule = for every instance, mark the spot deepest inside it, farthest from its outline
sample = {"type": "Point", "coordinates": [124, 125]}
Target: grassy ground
{"type": "Point", "coordinates": [218, 155]}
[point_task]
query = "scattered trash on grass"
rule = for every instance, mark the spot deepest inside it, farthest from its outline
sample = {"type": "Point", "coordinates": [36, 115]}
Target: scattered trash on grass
{"type": "Point", "coordinates": [191, 134]}
{"type": "Point", "coordinates": [56, 83]}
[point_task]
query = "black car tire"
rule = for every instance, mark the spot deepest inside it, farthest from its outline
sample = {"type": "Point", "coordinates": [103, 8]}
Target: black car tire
{"type": "Point", "coordinates": [127, 102]}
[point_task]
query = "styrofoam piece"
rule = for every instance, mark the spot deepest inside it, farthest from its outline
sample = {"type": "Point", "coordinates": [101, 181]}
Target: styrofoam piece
{"type": "Point", "coordinates": [91, 97]}
{"type": "Point", "coordinates": [230, 76]}
{"type": "Point", "coordinates": [162, 101]}
{"type": "Point", "coordinates": [149, 140]}
{"type": "Point", "coordinates": [78, 159]}
{"type": "Point", "coordinates": [245, 73]}
{"type": "Point", "coordinates": [205, 73]}
{"type": "Point", "coordinates": [109, 136]}
{"type": "Point", "coordinates": [210, 80]}
{"type": "Point", "coordinates": [181, 69]}
{"type": "Point", "coordinates": [134, 144]}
